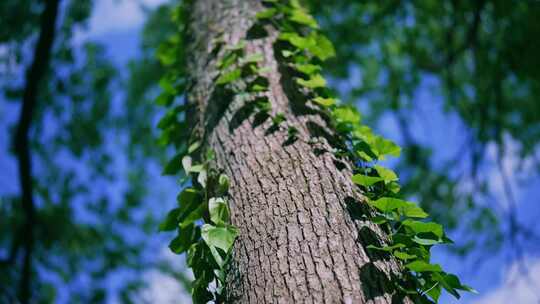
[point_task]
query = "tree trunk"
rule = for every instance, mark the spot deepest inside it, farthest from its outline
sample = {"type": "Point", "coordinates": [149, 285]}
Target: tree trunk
{"type": "Point", "coordinates": [301, 234]}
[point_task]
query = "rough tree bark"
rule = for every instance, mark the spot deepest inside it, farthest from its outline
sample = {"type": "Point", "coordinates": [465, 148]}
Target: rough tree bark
{"type": "Point", "coordinates": [302, 238]}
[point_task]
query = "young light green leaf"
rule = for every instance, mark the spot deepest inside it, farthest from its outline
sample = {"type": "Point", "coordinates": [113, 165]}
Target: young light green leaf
{"type": "Point", "coordinates": [193, 147]}
{"type": "Point", "coordinates": [229, 77]}
{"type": "Point", "coordinates": [365, 180]}
{"type": "Point", "coordinates": [262, 70]}
{"type": "Point", "coordinates": [426, 241]}
{"type": "Point", "coordinates": [295, 39]}
{"type": "Point", "coordinates": [223, 182]}
{"type": "Point", "coordinates": [252, 58]}
{"type": "Point", "coordinates": [315, 81]}
{"type": "Point", "coordinates": [266, 14]}
{"type": "Point", "coordinates": [385, 147]}
{"type": "Point", "coordinates": [325, 102]}
{"type": "Point", "coordinates": [238, 46]}
{"type": "Point", "coordinates": [387, 248]}
{"type": "Point", "coordinates": [321, 47]}
{"type": "Point", "coordinates": [186, 163]}
{"type": "Point", "coordinates": [227, 60]}
{"type": "Point", "coordinates": [389, 204]}
{"type": "Point", "coordinates": [422, 227]}
{"type": "Point", "coordinates": [421, 266]}
{"type": "Point", "coordinates": [307, 68]}
{"type": "Point", "coordinates": [386, 174]}
{"type": "Point", "coordinates": [287, 53]}
{"type": "Point", "coordinates": [394, 187]}
{"type": "Point", "coordinates": [403, 255]}
{"type": "Point", "coordinates": [300, 16]}
{"type": "Point", "coordinates": [346, 114]}
{"type": "Point", "coordinates": [202, 177]}
{"type": "Point", "coordinates": [220, 237]}
{"type": "Point", "coordinates": [219, 211]}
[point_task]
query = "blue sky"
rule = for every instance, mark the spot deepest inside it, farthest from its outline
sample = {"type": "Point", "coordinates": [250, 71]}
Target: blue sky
{"type": "Point", "coordinates": [116, 24]}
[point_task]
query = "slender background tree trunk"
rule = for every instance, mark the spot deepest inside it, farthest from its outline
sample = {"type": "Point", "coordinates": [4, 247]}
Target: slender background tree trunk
{"type": "Point", "coordinates": [34, 75]}
{"type": "Point", "coordinates": [302, 237]}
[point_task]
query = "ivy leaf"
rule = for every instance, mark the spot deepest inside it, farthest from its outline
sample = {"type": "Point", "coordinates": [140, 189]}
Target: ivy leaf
{"type": "Point", "coordinates": [193, 147]}
{"type": "Point", "coordinates": [220, 237]}
{"type": "Point", "coordinates": [403, 255]}
{"type": "Point", "coordinates": [262, 70]}
{"type": "Point", "coordinates": [365, 180]}
{"type": "Point", "coordinates": [394, 187]}
{"type": "Point", "coordinates": [217, 256]}
{"type": "Point", "coordinates": [171, 221]}
{"type": "Point", "coordinates": [210, 155]}
{"type": "Point", "coordinates": [259, 84]}
{"type": "Point", "coordinates": [453, 282]}
{"type": "Point", "coordinates": [315, 81]}
{"type": "Point", "coordinates": [321, 47]}
{"type": "Point", "coordinates": [414, 211]}
{"type": "Point", "coordinates": [227, 60]}
{"type": "Point", "coordinates": [325, 102]}
{"type": "Point", "coordinates": [238, 46]}
{"type": "Point", "coordinates": [219, 211]}
{"type": "Point", "coordinates": [170, 117]}
{"type": "Point", "coordinates": [223, 183]}
{"type": "Point", "coordinates": [266, 14]}
{"type": "Point", "coordinates": [421, 266]}
{"type": "Point", "coordinates": [278, 119]}
{"type": "Point", "coordinates": [263, 104]}
{"type": "Point", "coordinates": [189, 200]}
{"type": "Point", "coordinates": [386, 174]}
{"type": "Point", "coordinates": [434, 292]}
{"type": "Point", "coordinates": [301, 17]}
{"type": "Point", "coordinates": [287, 53]}
{"type": "Point", "coordinates": [379, 219]}
{"type": "Point", "coordinates": [229, 77]}
{"type": "Point", "coordinates": [385, 147]}
{"type": "Point", "coordinates": [187, 163]}
{"type": "Point", "coordinates": [308, 69]}
{"type": "Point", "coordinates": [174, 165]}
{"type": "Point", "coordinates": [386, 248]}
{"type": "Point", "coordinates": [422, 227]}
{"type": "Point", "coordinates": [389, 204]}
{"type": "Point", "coordinates": [252, 58]}
{"type": "Point", "coordinates": [186, 236]}
{"type": "Point", "coordinates": [164, 99]}
{"type": "Point", "coordinates": [292, 133]}
{"type": "Point", "coordinates": [194, 216]}
{"type": "Point", "coordinates": [425, 241]}
{"type": "Point", "coordinates": [295, 39]}
{"type": "Point", "coordinates": [202, 177]}
{"type": "Point", "coordinates": [346, 114]}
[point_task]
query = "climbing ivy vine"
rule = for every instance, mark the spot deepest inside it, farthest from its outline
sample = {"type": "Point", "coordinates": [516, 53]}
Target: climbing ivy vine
{"type": "Point", "coordinates": [202, 216]}
{"type": "Point", "coordinates": [411, 236]}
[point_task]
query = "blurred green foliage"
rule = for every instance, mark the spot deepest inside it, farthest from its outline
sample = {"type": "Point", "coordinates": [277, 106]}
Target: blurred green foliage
{"type": "Point", "coordinates": [93, 149]}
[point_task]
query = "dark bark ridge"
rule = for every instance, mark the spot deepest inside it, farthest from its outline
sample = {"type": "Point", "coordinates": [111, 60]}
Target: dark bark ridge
{"type": "Point", "coordinates": [298, 241]}
{"type": "Point", "coordinates": [34, 76]}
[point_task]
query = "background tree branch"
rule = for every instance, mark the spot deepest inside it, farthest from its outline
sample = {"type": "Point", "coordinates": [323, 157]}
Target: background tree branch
{"type": "Point", "coordinates": [34, 75]}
